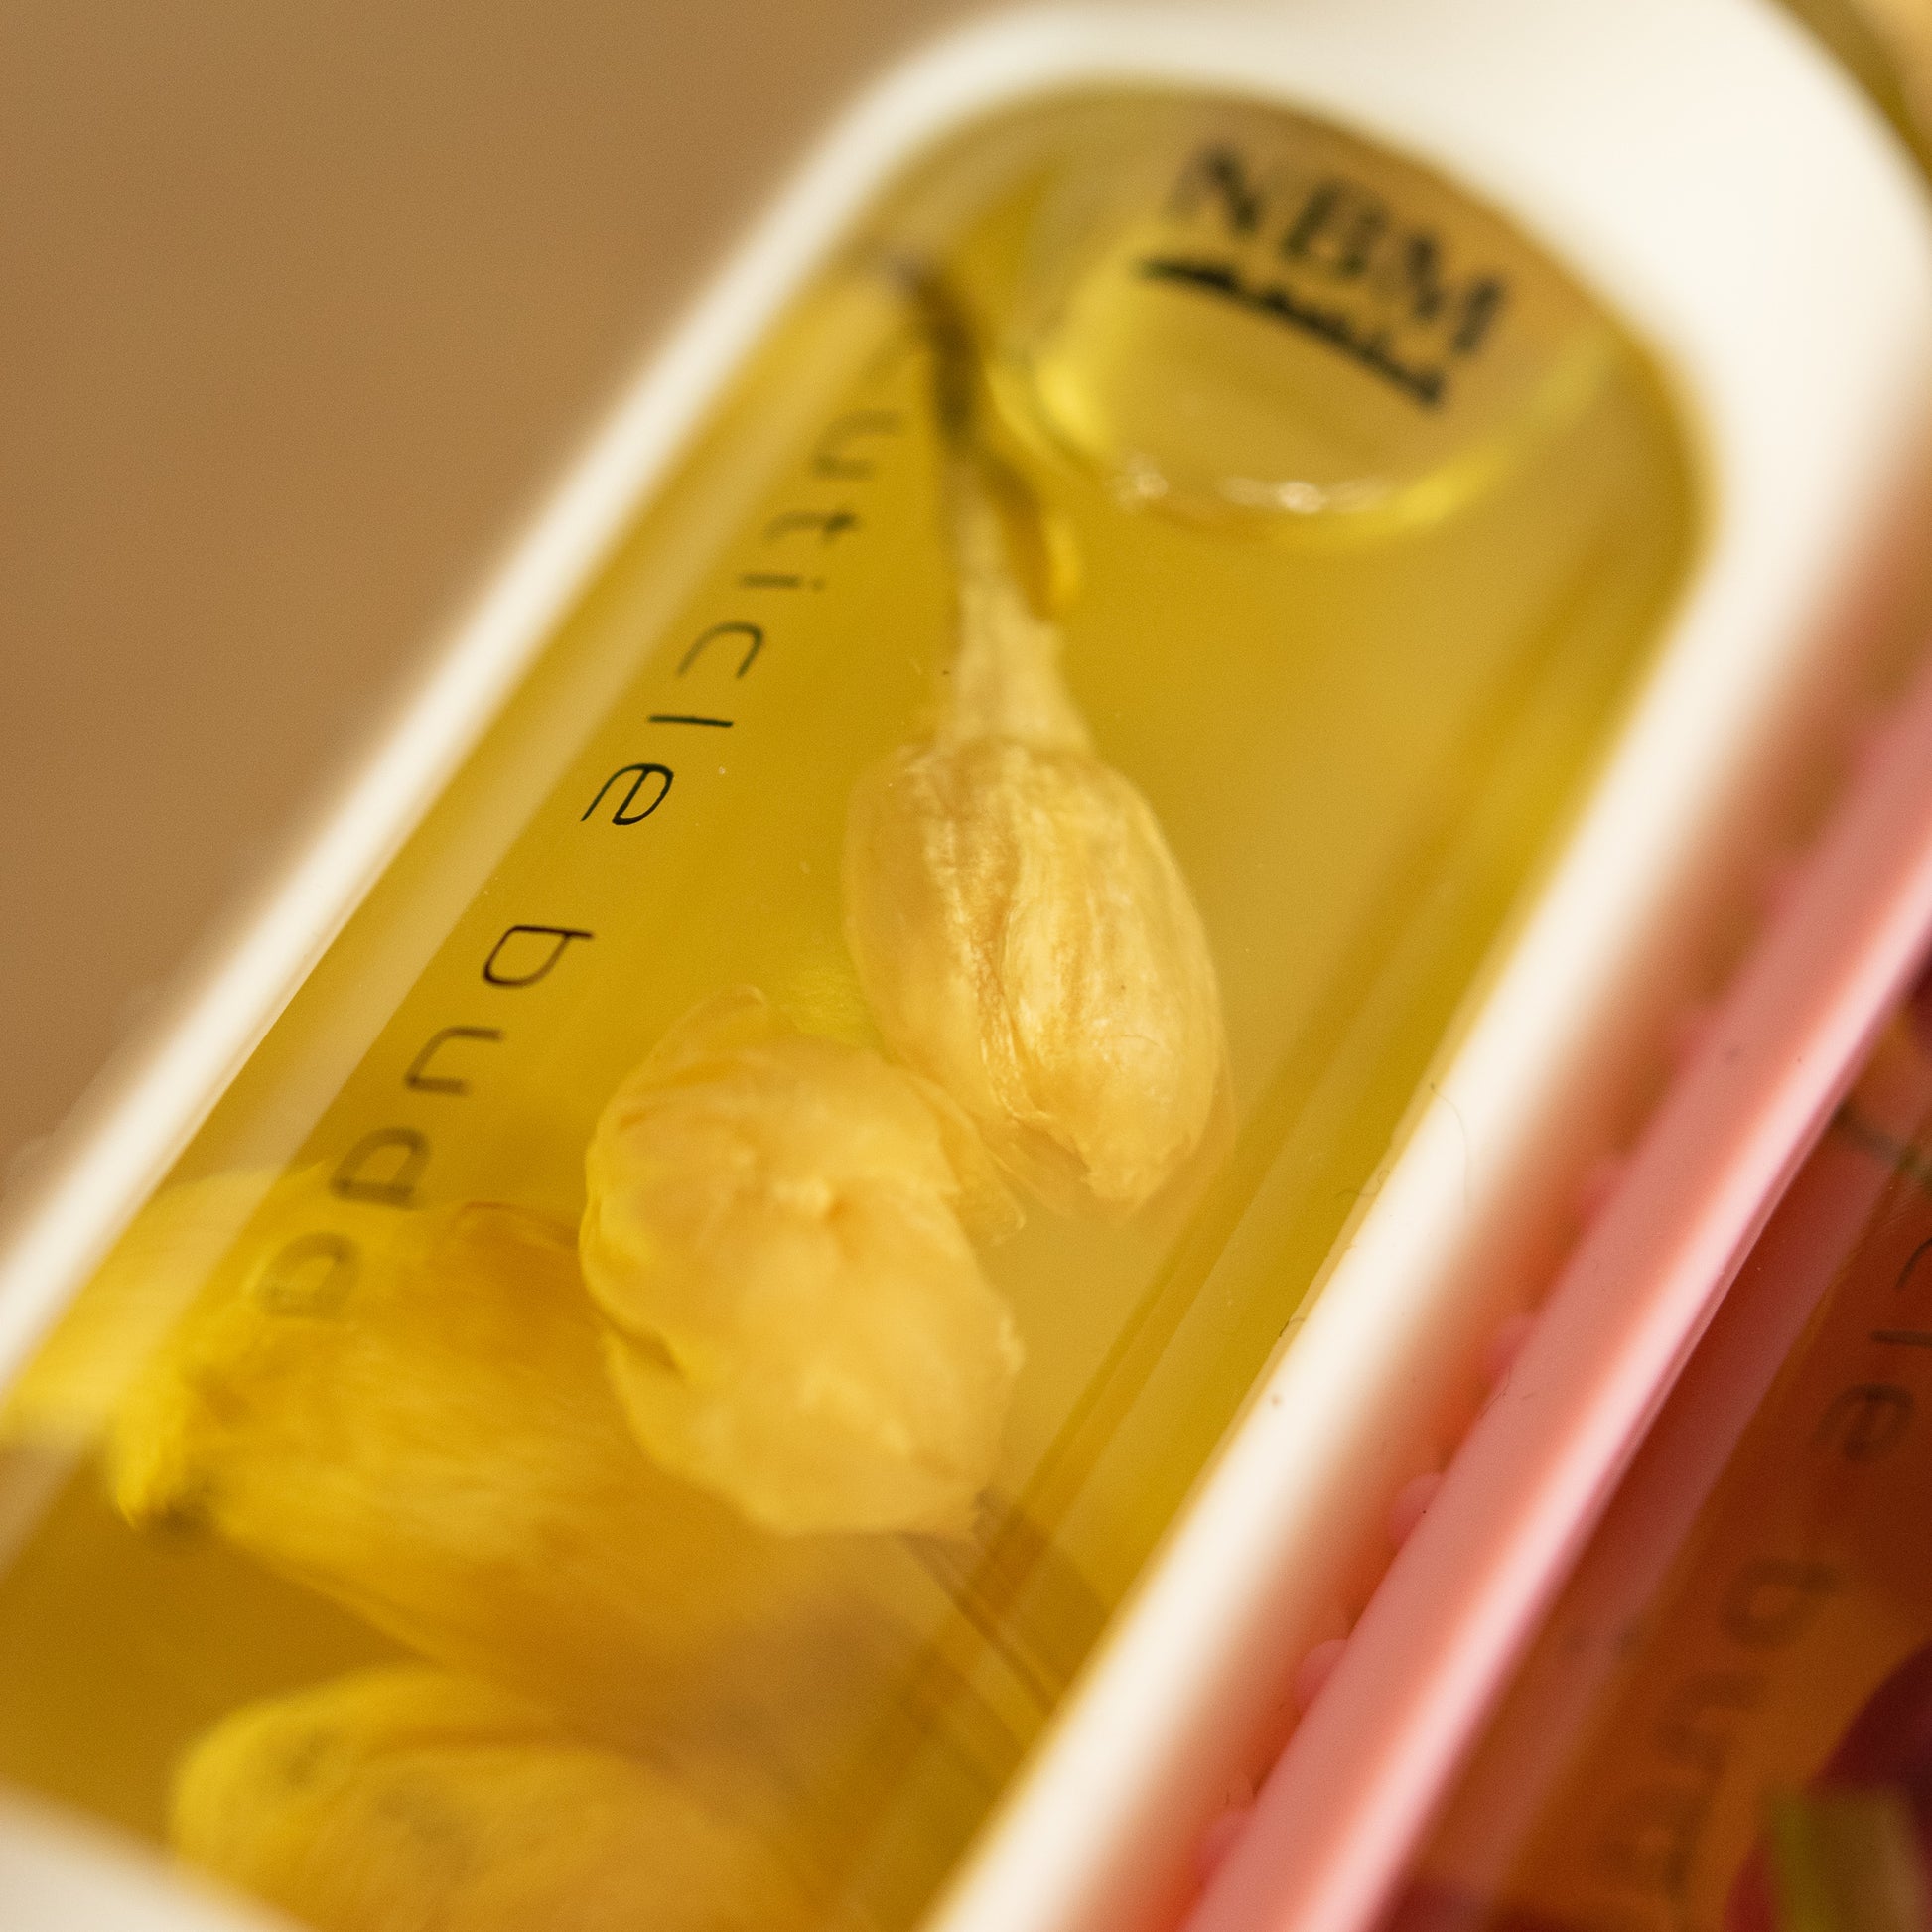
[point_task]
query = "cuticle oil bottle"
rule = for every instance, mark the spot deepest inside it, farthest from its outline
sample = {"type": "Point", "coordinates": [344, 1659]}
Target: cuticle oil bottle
{"type": "Point", "coordinates": [649, 1385]}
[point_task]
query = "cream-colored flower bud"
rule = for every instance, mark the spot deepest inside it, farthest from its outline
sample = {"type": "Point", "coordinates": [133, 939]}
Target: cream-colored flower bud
{"type": "Point", "coordinates": [401, 1799]}
{"type": "Point", "coordinates": [1021, 929]}
{"type": "Point", "coordinates": [408, 1410]}
{"type": "Point", "coordinates": [797, 1320]}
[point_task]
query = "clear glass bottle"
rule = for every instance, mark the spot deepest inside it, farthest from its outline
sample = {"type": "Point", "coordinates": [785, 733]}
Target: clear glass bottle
{"type": "Point", "coordinates": [704, 1303]}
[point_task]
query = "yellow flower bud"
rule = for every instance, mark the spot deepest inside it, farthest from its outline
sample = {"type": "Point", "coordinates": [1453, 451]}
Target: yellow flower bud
{"type": "Point", "coordinates": [798, 1322]}
{"type": "Point", "coordinates": [400, 1798]}
{"type": "Point", "coordinates": [408, 1410]}
{"type": "Point", "coordinates": [74, 1380]}
{"type": "Point", "coordinates": [1021, 929]}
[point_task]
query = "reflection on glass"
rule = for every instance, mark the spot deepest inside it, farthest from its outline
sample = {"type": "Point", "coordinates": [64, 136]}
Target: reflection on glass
{"type": "Point", "coordinates": [1727, 1720]}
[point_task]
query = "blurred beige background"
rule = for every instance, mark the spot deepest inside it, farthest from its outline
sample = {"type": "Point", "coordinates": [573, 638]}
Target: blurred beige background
{"type": "Point", "coordinates": [300, 309]}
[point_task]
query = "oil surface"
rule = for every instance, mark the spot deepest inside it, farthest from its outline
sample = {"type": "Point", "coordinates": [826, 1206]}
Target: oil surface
{"type": "Point", "coordinates": [1354, 521]}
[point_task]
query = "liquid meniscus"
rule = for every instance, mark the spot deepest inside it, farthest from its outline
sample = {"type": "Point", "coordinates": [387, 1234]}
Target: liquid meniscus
{"type": "Point", "coordinates": [648, 1385]}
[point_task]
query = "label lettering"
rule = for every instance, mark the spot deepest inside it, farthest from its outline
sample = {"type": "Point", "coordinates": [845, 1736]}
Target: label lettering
{"type": "Point", "coordinates": [527, 953]}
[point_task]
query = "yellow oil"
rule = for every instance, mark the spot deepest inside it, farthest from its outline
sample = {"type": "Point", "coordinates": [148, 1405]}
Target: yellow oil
{"type": "Point", "coordinates": [1886, 47]}
{"type": "Point", "coordinates": [1367, 518]}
